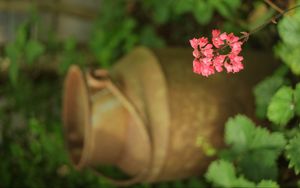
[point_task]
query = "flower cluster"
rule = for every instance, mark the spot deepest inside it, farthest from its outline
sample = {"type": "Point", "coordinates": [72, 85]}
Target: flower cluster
{"type": "Point", "coordinates": [209, 57]}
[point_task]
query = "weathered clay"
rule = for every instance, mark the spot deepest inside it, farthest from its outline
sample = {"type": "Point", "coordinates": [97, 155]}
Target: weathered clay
{"type": "Point", "coordinates": [146, 114]}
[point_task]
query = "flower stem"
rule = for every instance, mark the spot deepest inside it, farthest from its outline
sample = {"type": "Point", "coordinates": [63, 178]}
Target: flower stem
{"type": "Point", "coordinates": [274, 6]}
{"type": "Point", "coordinates": [272, 20]}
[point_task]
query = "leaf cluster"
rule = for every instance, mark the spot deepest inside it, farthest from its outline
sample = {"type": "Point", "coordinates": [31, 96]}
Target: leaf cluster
{"type": "Point", "coordinates": [23, 50]}
{"type": "Point", "coordinates": [222, 173]}
{"type": "Point", "coordinates": [203, 10]}
{"type": "Point", "coordinates": [144, 22]}
{"type": "Point", "coordinates": [254, 151]}
{"type": "Point", "coordinates": [289, 47]}
{"type": "Point", "coordinates": [279, 102]}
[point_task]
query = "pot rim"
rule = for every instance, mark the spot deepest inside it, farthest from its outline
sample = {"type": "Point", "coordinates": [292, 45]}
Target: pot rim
{"type": "Point", "coordinates": [76, 89]}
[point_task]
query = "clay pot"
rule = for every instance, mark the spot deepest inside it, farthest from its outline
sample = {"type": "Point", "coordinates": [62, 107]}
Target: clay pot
{"type": "Point", "coordinates": [145, 115]}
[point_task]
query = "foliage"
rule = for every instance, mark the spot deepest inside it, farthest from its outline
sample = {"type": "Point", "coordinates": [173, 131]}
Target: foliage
{"type": "Point", "coordinates": [70, 55]}
{"type": "Point", "coordinates": [263, 93]}
{"type": "Point", "coordinates": [254, 149]}
{"type": "Point", "coordinates": [206, 147]}
{"type": "Point", "coordinates": [281, 107]}
{"type": "Point", "coordinates": [288, 49]}
{"type": "Point", "coordinates": [31, 142]}
{"type": "Point", "coordinates": [202, 10]}
{"type": "Point", "coordinates": [284, 105]}
{"type": "Point", "coordinates": [111, 39]}
{"type": "Point", "coordinates": [254, 152]}
{"type": "Point", "coordinates": [24, 49]}
{"type": "Point", "coordinates": [31, 139]}
{"type": "Point", "coordinates": [282, 100]}
{"type": "Point", "coordinates": [31, 159]}
{"type": "Point", "coordinates": [222, 174]}
{"type": "Point", "coordinates": [293, 153]}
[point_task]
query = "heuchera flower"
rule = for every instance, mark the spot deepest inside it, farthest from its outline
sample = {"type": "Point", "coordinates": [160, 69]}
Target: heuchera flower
{"type": "Point", "coordinates": [208, 58]}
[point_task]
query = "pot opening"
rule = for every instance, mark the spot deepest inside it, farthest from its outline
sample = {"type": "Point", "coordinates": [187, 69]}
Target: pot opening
{"type": "Point", "coordinates": [76, 113]}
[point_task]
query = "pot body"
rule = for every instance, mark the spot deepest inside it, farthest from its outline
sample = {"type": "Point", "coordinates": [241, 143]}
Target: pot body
{"type": "Point", "coordinates": [160, 110]}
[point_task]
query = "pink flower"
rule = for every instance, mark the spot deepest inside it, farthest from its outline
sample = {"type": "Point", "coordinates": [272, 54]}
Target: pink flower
{"type": "Point", "coordinates": [216, 39]}
{"type": "Point", "coordinates": [196, 53]}
{"type": "Point", "coordinates": [207, 70]}
{"type": "Point", "coordinates": [215, 33]}
{"type": "Point", "coordinates": [236, 47]}
{"type": "Point", "coordinates": [208, 51]}
{"type": "Point", "coordinates": [218, 62]}
{"type": "Point", "coordinates": [223, 36]}
{"type": "Point", "coordinates": [206, 61]}
{"type": "Point", "coordinates": [235, 58]}
{"type": "Point", "coordinates": [231, 38]}
{"type": "Point", "coordinates": [194, 43]}
{"type": "Point", "coordinates": [228, 67]}
{"type": "Point", "coordinates": [202, 41]}
{"type": "Point", "coordinates": [235, 64]}
{"type": "Point", "coordinates": [196, 66]}
{"type": "Point", "coordinates": [210, 58]}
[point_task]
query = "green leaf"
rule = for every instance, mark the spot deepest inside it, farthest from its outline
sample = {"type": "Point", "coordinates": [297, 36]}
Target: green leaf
{"type": "Point", "coordinates": [281, 108]}
{"type": "Point", "coordinates": [33, 50]}
{"type": "Point", "coordinates": [267, 184]}
{"type": "Point", "coordinates": [70, 55]}
{"type": "Point", "coordinates": [233, 4]}
{"type": "Point", "coordinates": [289, 49]}
{"type": "Point", "coordinates": [70, 44]}
{"type": "Point", "coordinates": [289, 29]}
{"type": "Point", "coordinates": [110, 40]}
{"type": "Point", "coordinates": [293, 153]}
{"type": "Point", "coordinates": [223, 10]}
{"type": "Point", "coordinates": [238, 132]}
{"type": "Point", "coordinates": [13, 72]}
{"type": "Point", "coordinates": [14, 55]}
{"type": "Point", "coordinates": [259, 164]}
{"type": "Point", "coordinates": [21, 35]}
{"type": "Point", "coordinates": [262, 153]}
{"type": "Point", "coordinates": [263, 139]}
{"type": "Point", "coordinates": [150, 38]}
{"type": "Point", "coordinates": [281, 71]}
{"type": "Point", "coordinates": [221, 173]}
{"type": "Point", "coordinates": [254, 149]}
{"type": "Point", "coordinates": [35, 127]}
{"type": "Point", "coordinates": [242, 182]}
{"type": "Point", "coordinates": [206, 146]}
{"type": "Point", "coordinates": [182, 6]}
{"type": "Point", "coordinates": [226, 8]}
{"type": "Point", "coordinates": [203, 12]}
{"type": "Point", "coordinates": [161, 11]}
{"type": "Point", "coordinates": [297, 99]}
{"type": "Point", "coordinates": [290, 56]}
{"type": "Point", "coordinates": [263, 93]}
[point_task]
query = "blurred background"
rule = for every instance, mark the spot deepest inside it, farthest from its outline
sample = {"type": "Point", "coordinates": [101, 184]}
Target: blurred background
{"type": "Point", "coordinates": [40, 39]}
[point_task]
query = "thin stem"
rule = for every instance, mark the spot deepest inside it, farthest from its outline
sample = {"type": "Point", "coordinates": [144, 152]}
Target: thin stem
{"type": "Point", "coordinates": [274, 6]}
{"type": "Point", "coordinates": [272, 20]}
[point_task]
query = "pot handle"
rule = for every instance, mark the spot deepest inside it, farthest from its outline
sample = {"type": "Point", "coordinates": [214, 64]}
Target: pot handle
{"type": "Point", "coordinates": [97, 80]}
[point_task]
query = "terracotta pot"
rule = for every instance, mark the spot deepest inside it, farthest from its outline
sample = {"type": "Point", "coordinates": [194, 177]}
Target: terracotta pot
{"type": "Point", "coordinates": [145, 115]}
